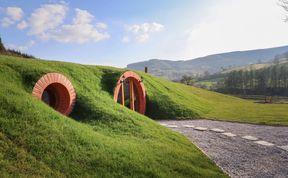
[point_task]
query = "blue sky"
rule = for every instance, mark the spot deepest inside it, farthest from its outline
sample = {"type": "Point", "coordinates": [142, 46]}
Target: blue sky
{"type": "Point", "coordinates": [117, 32]}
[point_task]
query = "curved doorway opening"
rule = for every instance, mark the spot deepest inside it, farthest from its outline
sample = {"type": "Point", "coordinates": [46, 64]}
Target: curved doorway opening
{"type": "Point", "coordinates": [130, 92]}
{"type": "Point", "coordinates": [56, 91]}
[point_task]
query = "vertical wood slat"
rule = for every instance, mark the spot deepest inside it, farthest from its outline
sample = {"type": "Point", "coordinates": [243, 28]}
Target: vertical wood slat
{"type": "Point", "coordinates": [131, 89]}
{"type": "Point", "coordinates": [122, 94]}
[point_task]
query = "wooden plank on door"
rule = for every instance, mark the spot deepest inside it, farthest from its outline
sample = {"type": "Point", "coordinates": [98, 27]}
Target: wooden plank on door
{"type": "Point", "coordinates": [122, 93]}
{"type": "Point", "coordinates": [131, 89]}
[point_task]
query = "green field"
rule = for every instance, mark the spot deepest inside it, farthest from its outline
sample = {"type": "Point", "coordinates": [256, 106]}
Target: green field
{"type": "Point", "coordinates": [101, 138]}
{"type": "Point", "coordinates": [186, 102]}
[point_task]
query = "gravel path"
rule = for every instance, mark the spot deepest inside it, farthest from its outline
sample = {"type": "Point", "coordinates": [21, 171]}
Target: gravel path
{"type": "Point", "coordinates": [263, 152]}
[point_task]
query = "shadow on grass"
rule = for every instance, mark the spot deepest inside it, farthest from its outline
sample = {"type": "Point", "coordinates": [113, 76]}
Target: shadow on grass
{"type": "Point", "coordinates": [84, 110]}
{"type": "Point", "coordinates": [109, 80]}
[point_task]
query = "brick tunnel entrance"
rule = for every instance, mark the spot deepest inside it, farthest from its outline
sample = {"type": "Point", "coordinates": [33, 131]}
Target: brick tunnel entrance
{"type": "Point", "coordinates": [57, 91]}
{"type": "Point", "coordinates": [130, 92]}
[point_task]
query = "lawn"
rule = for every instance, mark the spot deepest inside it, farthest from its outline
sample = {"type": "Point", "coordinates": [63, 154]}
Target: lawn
{"type": "Point", "coordinates": [186, 102]}
{"type": "Point", "coordinates": [99, 139]}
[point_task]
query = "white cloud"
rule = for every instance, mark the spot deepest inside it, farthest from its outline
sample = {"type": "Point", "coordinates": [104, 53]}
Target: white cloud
{"type": "Point", "coordinates": [82, 17]}
{"type": "Point", "coordinates": [47, 23]}
{"type": "Point", "coordinates": [6, 22]}
{"type": "Point", "coordinates": [23, 47]}
{"type": "Point", "coordinates": [80, 31]}
{"type": "Point", "coordinates": [13, 14]}
{"type": "Point", "coordinates": [126, 39]}
{"type": "Point", "coordinates": [142, 32]}
{"type": "Point", "coordinates": [141, 38]}
{"type": "Point", "coordinates": [22, 25]}
{"type": "Point", "coordinates": [145, 28]}
{"type": "Point", "coordinates": [47, 17]}
{"type": "Point", "coordinates": [101, 25]}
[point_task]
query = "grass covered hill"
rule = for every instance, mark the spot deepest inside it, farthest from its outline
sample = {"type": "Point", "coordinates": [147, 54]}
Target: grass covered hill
{"type": "Point", "coordinates": [174, 70]}
{"type": "Point", "coordinates": [167, 100]}
{"type": "Point", "coordinates": [100, 139]}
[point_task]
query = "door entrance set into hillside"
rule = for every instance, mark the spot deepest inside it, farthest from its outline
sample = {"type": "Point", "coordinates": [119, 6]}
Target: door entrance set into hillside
{"type": "Point", "coordinates": [58, 92]}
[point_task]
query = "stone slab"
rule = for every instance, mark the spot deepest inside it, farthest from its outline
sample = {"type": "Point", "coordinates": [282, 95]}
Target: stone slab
{"type": "Point", "coordinates": [200, 128]}
{"type": "Point", "coordinates": [229, 134]}
{"type": "Point", "coordinates": [172, 126]}
{"type": "Point", "coordinates": [249, 137]}
{"type": "Point", "coordinates": [217, 130]}
{"type": "Point", "coordinates": [284, 147]}
{"type": "Point", "coordinates": [262, 142]}
{"type": "Point", "coordinates": [189, 126]}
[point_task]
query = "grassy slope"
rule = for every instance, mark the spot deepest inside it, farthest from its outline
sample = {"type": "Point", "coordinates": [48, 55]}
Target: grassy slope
{"type": "Point", "coordinates": [254, 66]}
{"type": "Point", "coordinates": [247, 68]}
{"type": "Point", "coordinates": [224, 107]}
{"type": "Point", "coordinates": [102, 139]}
{"type": "Point", "coordinates": [191, 102]}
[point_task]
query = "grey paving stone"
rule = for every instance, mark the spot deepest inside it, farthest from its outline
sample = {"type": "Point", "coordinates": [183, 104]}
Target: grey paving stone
{"type": "Point", "coordinates": [172, 126]}
{"type": "Point", "coordinates": [189, 126]}
{"type": "Point", "coordinates": [249, 137]}
{"type": "Point", "coordinates": [217, 130]}
{"type": "Point", "coordinates": [200, 128]}
{"type": "Point", "coordinates": [284, 147]}
{"type": "Point", "coordinates": [262, 142]}
{"type": "Point", "coordinates": [237, 156]}
{"type": "Point", "coordinates": [229, 134]}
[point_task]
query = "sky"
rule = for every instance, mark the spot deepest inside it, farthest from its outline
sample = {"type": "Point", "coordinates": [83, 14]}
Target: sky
{"type": "Point", "coordinates": [117, 33]}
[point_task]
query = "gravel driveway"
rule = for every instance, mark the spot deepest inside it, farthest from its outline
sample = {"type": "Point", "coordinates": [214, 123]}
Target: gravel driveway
{"type": "Point", "coordinates": [263, 152]}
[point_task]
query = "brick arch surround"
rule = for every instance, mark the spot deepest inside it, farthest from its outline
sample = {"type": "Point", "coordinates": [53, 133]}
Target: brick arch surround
{"type": "Point", "coordinates": [140, 94]}
{"type": "Point", "coordinates": [57, 91]}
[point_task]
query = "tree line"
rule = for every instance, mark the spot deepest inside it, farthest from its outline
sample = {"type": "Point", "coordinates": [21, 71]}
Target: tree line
{"type": "Point", "coordinates": [13, 52]}
{"type": "Point", "coordinates": [267, 81]}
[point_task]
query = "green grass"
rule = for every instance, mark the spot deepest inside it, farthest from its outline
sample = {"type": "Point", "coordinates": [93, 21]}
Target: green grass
{"type": "Point", "coordinates": [247, 68]}
{"type": "Point", "coordinates": [206, 83]}
{"type": "Point", "coordinates": [100, 138]}
{"type": "Point", "coordinates": [186, 102]}
{"type": "Point", "coordinates": [229, 108]}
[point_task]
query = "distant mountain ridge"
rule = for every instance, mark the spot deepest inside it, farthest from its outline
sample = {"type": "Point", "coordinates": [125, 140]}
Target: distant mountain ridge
{"type": "Point", "coordinates": [174, 70]}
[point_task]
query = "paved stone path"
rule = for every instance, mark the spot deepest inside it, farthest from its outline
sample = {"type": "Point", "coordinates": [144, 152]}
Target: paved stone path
{"type": "Point", "coordinates": [242, 150]}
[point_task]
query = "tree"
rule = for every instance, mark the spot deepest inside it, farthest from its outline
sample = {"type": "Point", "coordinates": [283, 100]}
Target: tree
{"type": "Point", "coordinates": [188, 80]}
{"type": "Point", "coordinates": [206, 73]}
{"type": "Point", "coordinates": [284, 5]}
{"type": "Point", "coordinates": [2, 48]}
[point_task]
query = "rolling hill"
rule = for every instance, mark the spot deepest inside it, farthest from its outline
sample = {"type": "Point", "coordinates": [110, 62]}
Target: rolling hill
{"type": "Point", "coordinates": [174, 70]}
{"type": "Point", "coordinates": [281, 61]}
{"type": "Point", "coordinates": [101, 138]}
{"type": "Point", "coordinates": [210, 81]}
